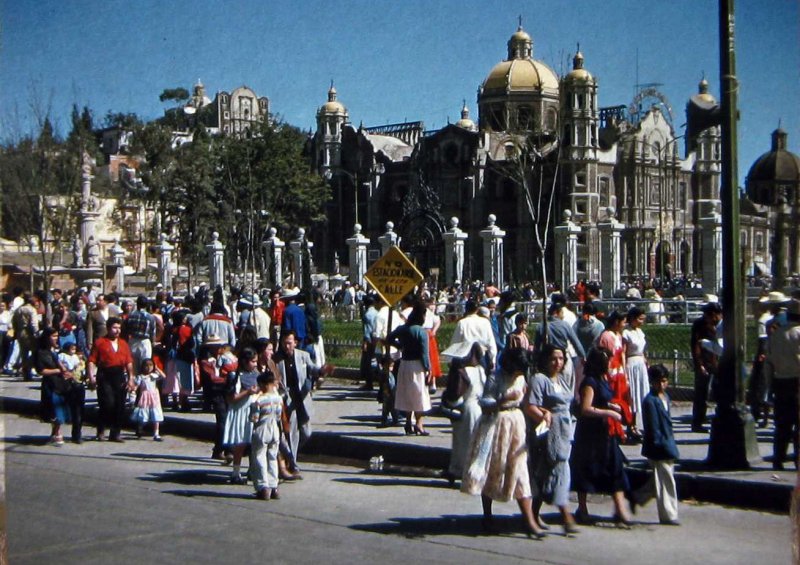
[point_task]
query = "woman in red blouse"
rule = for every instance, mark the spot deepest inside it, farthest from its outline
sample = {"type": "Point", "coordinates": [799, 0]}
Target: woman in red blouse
{"type": "Point", "coordinates": [110, 369]}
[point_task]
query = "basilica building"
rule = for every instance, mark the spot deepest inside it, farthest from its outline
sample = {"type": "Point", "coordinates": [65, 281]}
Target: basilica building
{"type": "Point", "coordinates": [542, 151]}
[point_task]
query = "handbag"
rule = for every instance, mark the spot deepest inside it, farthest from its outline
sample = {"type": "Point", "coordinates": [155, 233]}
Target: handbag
{"type": "Point", "coordinates": [452, 411]}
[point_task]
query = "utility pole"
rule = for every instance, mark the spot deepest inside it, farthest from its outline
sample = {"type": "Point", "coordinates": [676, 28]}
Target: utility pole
{"type": "Point", "coordinates": [733, 438]}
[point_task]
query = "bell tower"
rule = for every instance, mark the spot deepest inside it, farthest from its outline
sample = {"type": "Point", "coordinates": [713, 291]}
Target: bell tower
{"type": "Point", "coordinates": [331, 118]}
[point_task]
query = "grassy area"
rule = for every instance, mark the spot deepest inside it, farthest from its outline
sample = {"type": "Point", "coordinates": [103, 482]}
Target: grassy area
{"type": "Point", "coordinates": [343, 344]}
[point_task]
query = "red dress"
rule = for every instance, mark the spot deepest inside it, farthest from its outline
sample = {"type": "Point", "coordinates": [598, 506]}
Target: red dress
{"type": "Point", "coordinates": [617, 381]}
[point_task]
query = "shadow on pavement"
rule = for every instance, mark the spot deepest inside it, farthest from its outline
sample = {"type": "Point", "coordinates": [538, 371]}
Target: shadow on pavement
{"type": "Point", "coordinates": [470, 525]}
{"type": "Point", "coordinates": [171, 458]}
{"type": "Point", "coordinates": [397, 481]}
{"type": "Point", "coordinates": [27, 440]}
{"type": "Point", "coordinates": [212, 494]}
{"type": "Point", "coordinates": [189, 477]}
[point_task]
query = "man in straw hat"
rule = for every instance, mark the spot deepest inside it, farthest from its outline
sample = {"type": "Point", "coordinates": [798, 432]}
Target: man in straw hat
{"type": "Point", "coordinates": [768, 306]}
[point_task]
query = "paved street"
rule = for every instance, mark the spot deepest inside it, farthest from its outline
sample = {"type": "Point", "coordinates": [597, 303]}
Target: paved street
{"type": "Point", "coordinates": [142, 502]}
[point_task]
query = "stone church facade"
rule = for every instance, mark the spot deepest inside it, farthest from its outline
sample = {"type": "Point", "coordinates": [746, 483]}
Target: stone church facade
{"type": "Point", "coordinates": [538, 137]}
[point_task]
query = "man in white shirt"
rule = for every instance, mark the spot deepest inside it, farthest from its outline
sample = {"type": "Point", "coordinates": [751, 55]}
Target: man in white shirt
{"type": "Point", "coordinates": [470, 329]}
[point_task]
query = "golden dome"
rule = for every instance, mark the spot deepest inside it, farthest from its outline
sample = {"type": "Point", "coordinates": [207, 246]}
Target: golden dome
{"type": "Point", "coordinates": [332, 106]}
{"type": "Point", "coordinates": [465, 122]}
{"type": "Point", "coordinates": [520, 35]}
{"type": "Point", "coordinates": [703, 92]}
{"type": "Point", "coordinates": [521, 74]}
{"type": "Point", "coordinates": [578, 73]}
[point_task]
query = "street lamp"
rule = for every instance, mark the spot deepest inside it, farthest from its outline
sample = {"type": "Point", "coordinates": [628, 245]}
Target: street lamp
{"type": "Point", "coordinates": [354, 179]}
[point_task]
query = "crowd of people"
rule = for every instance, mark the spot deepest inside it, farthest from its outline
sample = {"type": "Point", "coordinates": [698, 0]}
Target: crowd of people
{"type": "Point", "coordinates": [535, 415]}
{"type": "Point", "coordinates": [254, 366]}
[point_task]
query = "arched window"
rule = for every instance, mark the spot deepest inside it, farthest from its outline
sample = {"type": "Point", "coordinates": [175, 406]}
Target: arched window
{"type": "Point", "coordinates": [524, 117]}
{"type": "Point", "coordinates": [552, 119]}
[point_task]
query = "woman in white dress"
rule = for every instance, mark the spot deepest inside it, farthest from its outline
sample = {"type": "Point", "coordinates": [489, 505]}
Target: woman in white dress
{"type": "Point", "coordinates": [636, 365]}
{"type": "Point", "coordinates": [497, 464]}
{"type": "Point", "coordinates": [471, 379]}
{"type": "Point", "coordinates": [240, 390]}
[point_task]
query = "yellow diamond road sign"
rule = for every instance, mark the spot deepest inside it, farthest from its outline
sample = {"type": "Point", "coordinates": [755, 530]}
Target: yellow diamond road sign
{"type": "Point", "coordinates": [393, 275]}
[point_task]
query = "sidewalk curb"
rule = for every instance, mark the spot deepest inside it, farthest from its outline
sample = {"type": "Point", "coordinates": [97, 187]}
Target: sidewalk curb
{"type": "Point", "coordinates": [752, 495]}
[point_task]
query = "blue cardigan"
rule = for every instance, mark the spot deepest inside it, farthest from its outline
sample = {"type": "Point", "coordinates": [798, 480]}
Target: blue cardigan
{"type": "Point", "coordinates": [658, 441]}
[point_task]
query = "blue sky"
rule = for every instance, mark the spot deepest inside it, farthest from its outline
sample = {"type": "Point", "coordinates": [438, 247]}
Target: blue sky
{"type": "Point", "coordinates": [391, 61]}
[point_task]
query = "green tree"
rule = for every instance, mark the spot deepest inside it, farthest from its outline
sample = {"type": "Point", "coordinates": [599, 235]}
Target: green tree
{"type": "Point", "coordinates": [265, 177]}
{"type": "Point", "coordinates": [40, 180]}
{"type": "Point", "coordinates": [193, 187]}
{"type": "Point", "coordinates": [179, 94]}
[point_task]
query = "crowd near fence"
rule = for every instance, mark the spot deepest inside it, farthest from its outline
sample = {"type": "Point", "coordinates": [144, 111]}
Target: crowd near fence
{"type": "Point", "coordinates": [668, 329]}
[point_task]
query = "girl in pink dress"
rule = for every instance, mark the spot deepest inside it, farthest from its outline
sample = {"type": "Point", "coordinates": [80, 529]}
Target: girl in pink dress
{"type": "Point", "coordinates": [148, 406]}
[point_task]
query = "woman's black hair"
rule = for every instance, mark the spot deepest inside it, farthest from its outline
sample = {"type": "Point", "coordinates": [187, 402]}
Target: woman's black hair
{"type": "Point", "coordinates": [544, 356]}
{"type": "Point", "coordinates": [596, 362]}
{"type": "Point", "coordinates": [515, 360]}
{"type": "Point", "coordinates": [614, 317]}
{"type": "Point", "coordinates": [417, 315]}
{"type": "Point", "coordinates": [634, 313]}
{"type": "Point", "coordinates": [44, 338]}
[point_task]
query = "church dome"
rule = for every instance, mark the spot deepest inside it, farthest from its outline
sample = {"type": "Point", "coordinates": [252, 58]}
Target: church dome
{"type": "Point", "coordinates": [578, 73]}
{"type": "Point", "coordinates": [702, 93]}
{"type": "Point", "coordinates": [465, 122]}
{"type": "Point", "coordinates": [520, 35]}
{"type": "Point", "coordinates": [520, 72]}
{"type": "Point", "coordinates": [332, 106]}
{"type": "Point", "coordinates": [778, 167]}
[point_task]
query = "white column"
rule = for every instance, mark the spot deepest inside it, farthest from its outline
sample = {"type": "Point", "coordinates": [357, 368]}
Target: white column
{"type": "Point", "coordinates": [389, 238]}
{"type": "Point", "coordinates": [357, 246]}
{"type": "Point", "coordinates": [454, 240]}
{"type": "Point", "coordinates": [87, 215]}
{"type": "Point", "coordinates": [117, 253]}
{"type": "Point", "coordinates": [301, 259]}
{"type": "Point", "coordinates": [164, 250]}
{"type": "Point", "coordinates": [566, 248]}
{"type": "Point", "coordinates": [711, 251]}
{"type": "Point", "coordinates": [274, 258]}
{"type": "Point", "coordinates": [216, 262]}
{"type": "Point", "coordinates": [493, 237]}
{"type": "Point", "coordinates": [610, 256]}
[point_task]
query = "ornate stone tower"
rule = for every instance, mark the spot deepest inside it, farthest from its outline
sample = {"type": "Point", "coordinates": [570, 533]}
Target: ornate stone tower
{"type": "Point", "coordinates": [579, 140]}
{"type": "Point", "coordinates": [331, 118]}
{"type": "Point", "coordinates": [706, 144]}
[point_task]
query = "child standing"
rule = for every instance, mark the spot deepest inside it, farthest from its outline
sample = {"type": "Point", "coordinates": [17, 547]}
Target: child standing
{"type": "Point", "coordinates": [241, 388]}
{"type": "Point", "coordinates": [658, 445]}
{"type": "Point", "coordinates": [72, 363]}
{"type": "Point", "coordinates": [148, 407]}
{"type": "Point", "coordinates": [265, 413]}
